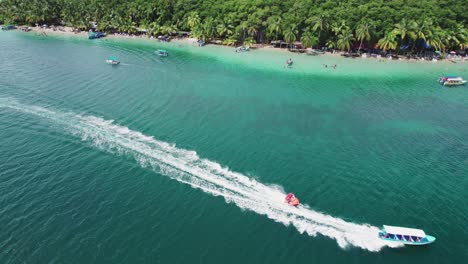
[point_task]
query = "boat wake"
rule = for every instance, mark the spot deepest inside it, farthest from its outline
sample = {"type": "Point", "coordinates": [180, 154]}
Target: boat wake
{"type": "Point", "coordinates": [187, 167]}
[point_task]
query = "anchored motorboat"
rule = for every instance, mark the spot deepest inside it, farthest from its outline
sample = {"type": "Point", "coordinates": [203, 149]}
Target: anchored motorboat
{"type": "Point", "coordinates": [162, 53]}
{"type": "Point", "coordinates": [112, 61]}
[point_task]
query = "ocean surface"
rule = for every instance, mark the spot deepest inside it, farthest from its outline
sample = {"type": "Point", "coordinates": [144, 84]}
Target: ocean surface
{"type": "Point", "coordinates": [187, 158]}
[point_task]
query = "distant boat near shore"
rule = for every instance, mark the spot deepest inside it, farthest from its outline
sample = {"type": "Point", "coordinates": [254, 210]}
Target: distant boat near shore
{"type": "Point", "coordinates": [112, 61]}
{"type": "Point", "coordinates": [8, 27]}
{"type": "Point", "coordinates": [162, 53]}
{"type": "Point", "coordinates": [96, 34]}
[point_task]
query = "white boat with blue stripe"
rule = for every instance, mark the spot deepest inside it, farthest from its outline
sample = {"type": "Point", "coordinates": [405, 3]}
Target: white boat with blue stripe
{"type": "Point", "coordinates": [407, 236]}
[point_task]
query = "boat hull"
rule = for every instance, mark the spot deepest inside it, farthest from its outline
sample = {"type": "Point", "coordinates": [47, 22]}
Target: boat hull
{"type": "Point", "coordinates": [427, 240]}
{"type": "Point", "coordinates": [406, 239]}
{"type": "Point", "coordinates": [455, 84]}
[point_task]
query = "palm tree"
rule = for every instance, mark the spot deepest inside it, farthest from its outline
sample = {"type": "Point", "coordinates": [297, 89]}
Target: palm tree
{"type": "Point", "coordinates": [290, 33]}
{"type": "Point", "coordinates": [344, 39]}
{"type": "Point", "coordinates": [319, 23]}
{"type": "Point", "coordinates": [274, 25]}
{"type": "Point", "coordinates": [405, 29]}
{"type": "Point", "coordinates": [422, 29]}
{"type": "Point", "coordinates": [461, 34]}
{"type": "Point", "coordinates": [154, 29]}
{"type": "Point", "coordinates": [252, 30]}
{"type": "Point", "coordinates": [363, 32]}
{"type": "Point", "coordinates": [255, 23]}
{"type": "Point", "coordinates": [248, 42]}
{"type": "Point", "coordinates": [338, 27]}
{"type": "Point", "coordinates": [437, 39]}
{"type": "Point", "coordinates": [244, 25]}
{"type": "Point", "coordinates": [193, 20]}
{"type": "Point", "coordinates": [209, 28]}
{"type": "Point", "coordinates": [224, 29]}
{"type": "Point", "coordinates": [330, 44]}
{"type": "Point", "coordinates": [457, 38]}
{"type": "Point", "coordinates": [308, 39]}
{"type": "Point", "coordinates": [230, 41]}
{"type": "Point", "coordinates": [198, 32]}
{"type": "Point", "coordinates": [388, 41]}
{"type": "Point", "coordinates": [168, 30]}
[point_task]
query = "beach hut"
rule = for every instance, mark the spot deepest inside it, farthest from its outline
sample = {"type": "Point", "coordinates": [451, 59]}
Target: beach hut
{"type": "Point", "coordinates": [296, 47]}
{"type": "Point", "coordinates": [141, 30]}
{"type": "Point", "coordinates": [275, 43]}
{"type": "Point", "coordinates": [183, 34]}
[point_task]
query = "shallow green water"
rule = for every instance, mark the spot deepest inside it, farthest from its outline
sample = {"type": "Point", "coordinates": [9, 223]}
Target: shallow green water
{"type": "Point", "coordinates": [367, 144]}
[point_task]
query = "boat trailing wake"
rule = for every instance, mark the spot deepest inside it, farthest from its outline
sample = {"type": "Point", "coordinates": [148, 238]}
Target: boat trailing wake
{"type": "Point", "coordinates": [187, 167]}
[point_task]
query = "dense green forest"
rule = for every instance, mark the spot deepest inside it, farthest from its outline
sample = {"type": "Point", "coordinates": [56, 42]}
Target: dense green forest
{"type": "Point", "coordinates": [340, 24]}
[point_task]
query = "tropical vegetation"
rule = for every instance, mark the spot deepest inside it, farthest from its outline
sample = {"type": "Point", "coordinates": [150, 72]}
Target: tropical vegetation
{"type": "Point", "coordinates": [338, 24]}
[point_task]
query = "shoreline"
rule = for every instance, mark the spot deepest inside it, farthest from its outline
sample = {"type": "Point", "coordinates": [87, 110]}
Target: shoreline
{"type": "Point", "coordinates": [68, 31]}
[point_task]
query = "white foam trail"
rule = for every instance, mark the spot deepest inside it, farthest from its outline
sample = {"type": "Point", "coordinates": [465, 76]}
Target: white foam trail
{"type": "Point", "coordinates": [187, 167]}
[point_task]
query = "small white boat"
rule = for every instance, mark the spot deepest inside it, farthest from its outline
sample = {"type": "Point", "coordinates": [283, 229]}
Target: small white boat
{"type": "Point", "coordinates": [162, 53]}
{"type": "Point", "coordinates": [314, 52]}
{"type": "Point", "coordinates": [407, 236]}
{"type": "Point", "coordinates": [242, 49]}
{"type": "Point", "coordinates": [451, 80]}
{"type": "Point", "coordinates": [112, 61]}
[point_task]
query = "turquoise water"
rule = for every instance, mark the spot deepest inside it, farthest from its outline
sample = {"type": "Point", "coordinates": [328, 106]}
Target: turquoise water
{"type": "Point", "coordinates": [186, 159]}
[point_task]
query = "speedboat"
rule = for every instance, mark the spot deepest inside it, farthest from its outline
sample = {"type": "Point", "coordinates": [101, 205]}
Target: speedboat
{"type": "Point", "coordinates": [112, 61]}
{"type": "Point", "coordinates": [407, 236]}
{"type": "Point", "coordinates": [291, 199]}
{"type": "Point", "coordinates": [162, 53]}
{"type": "Point", "coordinates": [451, 80]}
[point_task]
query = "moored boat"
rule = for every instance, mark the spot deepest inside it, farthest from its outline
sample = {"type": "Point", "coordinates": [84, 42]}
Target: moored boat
{"type": "Point", "coordinates": [162, 53]}
{"type": "Point", "coordinates": [112, 61]}
{"type": "Point", "coordinates": [314, 52]}
{"type": "Point", "coordinates": [95, 34]}
{"type": "Point", "coordinates": [200, 43]}
{"type": "Point", "coordinates": [242, 49]}
{"type": "Point", "coordinates": [291, 199]}
{"type": "Point", "coordinates": [25, 29]}
{"type": "Point", "coordinates": [8, 27]}
{"type": "Point", "coordinates": [407, 236]}
{"type": "Point", "coordinates": [451, 80]}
